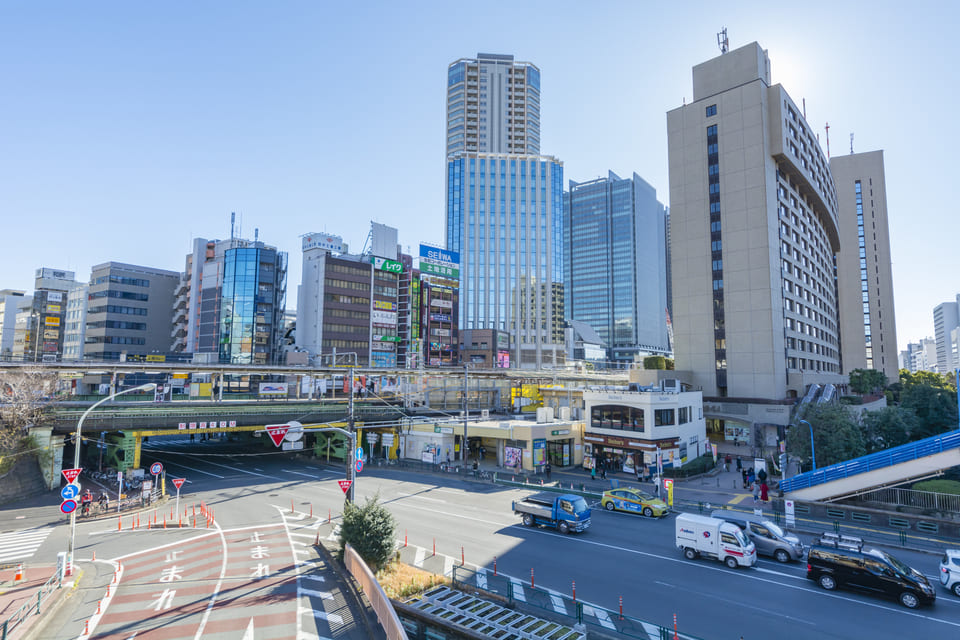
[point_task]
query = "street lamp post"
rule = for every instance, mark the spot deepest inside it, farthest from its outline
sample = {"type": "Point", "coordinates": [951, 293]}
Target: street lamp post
{"type": "Point", "coordinates": [76, 460]}
{"type": "Point", "coordinates": [813, 453]}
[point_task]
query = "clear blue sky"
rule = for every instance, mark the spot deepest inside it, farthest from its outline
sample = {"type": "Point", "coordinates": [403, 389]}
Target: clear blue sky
{"type": "Point", "coordinates": [127, 128]}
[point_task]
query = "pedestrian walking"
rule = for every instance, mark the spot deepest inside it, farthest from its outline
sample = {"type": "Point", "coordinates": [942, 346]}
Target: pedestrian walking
{"type": "Point", "coordinates": [764, 491]}
{"type": "Point", "coordinates": [762, 475]}
{"type": "Point", "coordinates": [603, 472]}
{"type": "Point", "coordinates": [743, 474]}
{"type": "Point", "coordinates": [756, 493]}
{"type": "Point", "coordinates": [593, 471]}
{"type": "Point", "coordinates": [656, 485]}
{"type": "Point", "coordinates": [739, 464]}
{"type": "Point", "coordinates": [726, 463]}
{"type": "Point", "coordinates": [549, 469]}
{"type": "Point", "coordinates": [751, 476]}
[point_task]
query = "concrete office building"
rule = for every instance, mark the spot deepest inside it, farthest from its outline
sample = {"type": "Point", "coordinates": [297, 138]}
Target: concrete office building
{"type": "Point", "coordinates": [868, 328]}
{"type": "Point", "coordinates": [511, 251]}
{"type": "Point", "coordinates": [44, 337]}
{"type": "Point", "coordinates": [11, 301]}
{"type": "Point", "coordinates": [615, 265]}
{"type": "Point", "coordinates": [754, 231]}
{"type": "Point", "coordinates": [946, 318]}
{"type": "Point", "coordinates": [128, 311]}
{"type": "Point", "coordinates": [493, 106]}
{"type": "Point", "coordinates": [348, 306]}
{"type": "Point", "coordinates": [75, 330]}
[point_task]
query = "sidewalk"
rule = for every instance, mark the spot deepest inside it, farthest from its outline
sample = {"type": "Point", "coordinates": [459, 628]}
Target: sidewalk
{"type": "Point", "coordinates": [14, 596]}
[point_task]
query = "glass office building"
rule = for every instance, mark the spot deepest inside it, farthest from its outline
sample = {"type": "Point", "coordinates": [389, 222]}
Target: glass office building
{"type": "Point", "coordinates": [616, 264]}
{"type": "Point", "coordinates": [252, 304]}
{"type": "Point", "coordinates": [505, 218]}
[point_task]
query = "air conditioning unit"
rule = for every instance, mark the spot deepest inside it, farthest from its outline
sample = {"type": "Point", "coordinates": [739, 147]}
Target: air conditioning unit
{"type": "Point", "coordinates": [485, 414]}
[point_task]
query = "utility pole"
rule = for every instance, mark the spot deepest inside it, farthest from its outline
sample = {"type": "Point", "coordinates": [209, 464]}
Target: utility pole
{"type": "Point", "coordinates": [466, 447]}
{"type": "Point", "coordinates": [351, 458]}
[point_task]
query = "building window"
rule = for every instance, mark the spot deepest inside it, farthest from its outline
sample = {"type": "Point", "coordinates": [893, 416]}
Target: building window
{"type": "Point", "coordinates": [712, 110]}
{"type": "Point", "coordinates": [663, 417]}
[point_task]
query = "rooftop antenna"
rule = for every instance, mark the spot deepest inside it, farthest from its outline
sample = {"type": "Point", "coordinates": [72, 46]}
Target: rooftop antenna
{"type": "Point", "coordinates": [722, 41]}
{"type": "Point", "coordinates": [851, 143]}
{"type": "Point", "coordinates": [233, 218]}
{"type": "Point", "coordinates": [256, 235]}
{"type": "Point", "coordinates": [828, 140]}
{"type": "Point", "coordinates": [804, 108]}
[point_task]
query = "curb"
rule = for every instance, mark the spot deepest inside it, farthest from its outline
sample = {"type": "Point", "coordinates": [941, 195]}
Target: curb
{"type": "Point", "coordinates": [34, 630]}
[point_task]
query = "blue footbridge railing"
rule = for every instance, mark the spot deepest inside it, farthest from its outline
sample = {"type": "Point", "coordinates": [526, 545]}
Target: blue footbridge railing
{"type": "Point", "coordinates": [879, 460]}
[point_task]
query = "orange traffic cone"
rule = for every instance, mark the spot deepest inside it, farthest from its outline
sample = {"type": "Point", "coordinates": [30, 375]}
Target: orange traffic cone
{"type": "Point", "coordinates": [19, 575]}
{"type": "Point", "coordinates": [94, 555]}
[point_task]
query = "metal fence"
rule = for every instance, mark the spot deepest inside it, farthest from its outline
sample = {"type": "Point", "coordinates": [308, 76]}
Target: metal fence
{"type": "Point", "coordinates": [31, 607]}
{"type": "Point", "coordinates": [927, 500]}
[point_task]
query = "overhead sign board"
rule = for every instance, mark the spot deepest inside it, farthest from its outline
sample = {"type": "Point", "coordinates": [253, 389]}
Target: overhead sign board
{"type": "Point", "coordinates": [439, 255]}
{"type": "Point", "coordinates": [71, 474]}
{"type": "Point", "coordinates": [277, 432]}
{"type": "Point", "coordinates": [388, 318]}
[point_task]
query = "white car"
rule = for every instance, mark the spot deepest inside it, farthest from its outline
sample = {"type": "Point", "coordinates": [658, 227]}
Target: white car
{"type": "Point", "coordinates": [950, 571]}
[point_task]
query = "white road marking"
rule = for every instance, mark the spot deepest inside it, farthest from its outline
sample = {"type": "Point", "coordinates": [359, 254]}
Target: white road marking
{"type": "Point", "coordinates": [447, 566]}
{"type": "Point", "coordinates": [418, 558]}
{"type": "Point", "coordinates": [299, 473]}
{"type": "Point", "coordinates": [323, 615]}
{"type": "Point", "coordinates": [226, 466]}
{"type": "Point", "coordinates": [325, 595]}
{"type": "Point", "coordinates": [177, 464]}
{"type": "Point", "coordinates": [316, 578]}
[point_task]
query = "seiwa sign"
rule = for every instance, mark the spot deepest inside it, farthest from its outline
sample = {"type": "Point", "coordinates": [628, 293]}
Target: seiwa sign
{"type": "Point", "coordinates": [441, 256]}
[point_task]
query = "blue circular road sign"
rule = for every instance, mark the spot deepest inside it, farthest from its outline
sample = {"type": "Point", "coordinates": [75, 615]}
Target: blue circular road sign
{"type": "Point", "coordinates": [156, 469]}
{"type": "Point", "coordinates": [359, 466]}
{"type": "Point", "coordinates": [70, 491]}
{"type": "Point", "coordinates": [68, 506]}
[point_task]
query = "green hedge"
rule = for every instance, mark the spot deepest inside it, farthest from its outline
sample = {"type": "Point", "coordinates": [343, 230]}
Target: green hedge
{"type": "Point", "coordinates": [939, 486]}
{"type": "Point", "coordinates": [695, 467]}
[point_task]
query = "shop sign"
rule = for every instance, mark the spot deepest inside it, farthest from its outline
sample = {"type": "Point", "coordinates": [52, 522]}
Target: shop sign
{"type": "Point", "coordinates": [439, 270]}
{"type": "Point", "coordinates": [560, 432]}
{"type": "Point", "coordinates": [384, 317]}
{"type": "Point", "coordinates": [51, 321]}
{"type": "Point", "coordinates": [439, 255]}
{"type": "Point", "coordinates": [51, 334]}
{"type": "Point", "coordinates": [53, 308]}
{"type": "Point", "coordinates": [390, 266]}
{"type": "Point", "coordinates": [323, 241]}
{"type": "Point", "coordinates": [443, 304]}
{"type": "Point", "coordinates": [383, 304]}
{"type": "Point", "coordinates": [440, 317]}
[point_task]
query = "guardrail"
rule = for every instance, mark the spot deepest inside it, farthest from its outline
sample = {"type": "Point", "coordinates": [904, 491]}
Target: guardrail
{"type": "Point", "coordinates": [873, 461]}
{"type": "Point", "coordinates": [926, 500]}
{"type": "Point", "coordinates": [32, 607]}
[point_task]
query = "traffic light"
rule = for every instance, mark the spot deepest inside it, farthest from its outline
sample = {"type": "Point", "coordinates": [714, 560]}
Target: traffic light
{"type": "Point", "coordinates": [783, 463]}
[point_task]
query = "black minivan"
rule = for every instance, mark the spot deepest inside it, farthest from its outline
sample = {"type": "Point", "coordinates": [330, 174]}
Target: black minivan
{"type": "Point", "coordinates": [837, 560]}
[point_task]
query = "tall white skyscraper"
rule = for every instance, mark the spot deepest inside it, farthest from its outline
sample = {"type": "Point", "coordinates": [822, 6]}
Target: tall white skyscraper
{"type": "Point", "coordinates": [946, 318]}
{"type": "Point", "coordinates": [493, 106]}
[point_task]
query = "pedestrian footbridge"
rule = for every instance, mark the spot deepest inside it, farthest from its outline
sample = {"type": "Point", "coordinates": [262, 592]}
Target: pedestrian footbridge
{"type": "Point", "coordinates": [906, 463]}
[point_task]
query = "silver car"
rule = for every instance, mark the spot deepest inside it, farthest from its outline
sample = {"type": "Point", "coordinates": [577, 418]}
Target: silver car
{"type": "Point", "coordinates": [950, 571]}
{"type": "Point", "coordinates": [768, 537]}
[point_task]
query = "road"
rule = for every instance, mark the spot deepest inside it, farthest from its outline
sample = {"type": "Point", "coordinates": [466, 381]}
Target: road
{"type": "Point", "coordinates": [620, 556]}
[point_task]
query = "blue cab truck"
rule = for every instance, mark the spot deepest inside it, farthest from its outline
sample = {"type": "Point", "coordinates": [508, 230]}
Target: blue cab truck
{"type": "Point", "coordinates": [564, 512]}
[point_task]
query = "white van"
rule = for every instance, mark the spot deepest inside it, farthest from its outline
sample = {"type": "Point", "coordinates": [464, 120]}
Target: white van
{"type": "Point", "coordinates": [714, 538]}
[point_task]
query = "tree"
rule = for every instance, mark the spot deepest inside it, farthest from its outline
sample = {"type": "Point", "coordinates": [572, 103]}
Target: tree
{"type": "Point", "coordinates": [654, 362]}
{"type": "Point", "coordinates": [863, 381]}
{"type": "Point", "coordinates": [888, 427]}
{"type": "Point", "coordinates": [836, 434]}
{"type": "Point", "coordinates": [935, 408]}
{"type": "Point", "coordinates": [371, 531]}
{"type": "Point", "coordinates": [24, 396]}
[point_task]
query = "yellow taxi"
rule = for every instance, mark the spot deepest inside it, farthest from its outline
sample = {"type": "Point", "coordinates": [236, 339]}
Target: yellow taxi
{"type": "Point", "coordinates": [634, 501]}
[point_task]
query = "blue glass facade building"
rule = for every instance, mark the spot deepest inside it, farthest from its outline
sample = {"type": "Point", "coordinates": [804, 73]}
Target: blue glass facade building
{"type": "Point", "coordinates": [616, 264]}
{"type": "Point", "coordinates": [505, 218]}
{"type": "Point", "coordinates": [252, 304]}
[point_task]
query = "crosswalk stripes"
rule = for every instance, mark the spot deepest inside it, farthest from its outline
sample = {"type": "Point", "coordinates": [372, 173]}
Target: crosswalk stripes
{"type": "Point", "coordinates": [21, 545]}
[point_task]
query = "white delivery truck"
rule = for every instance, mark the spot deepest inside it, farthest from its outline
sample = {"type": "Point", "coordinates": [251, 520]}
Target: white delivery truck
{"type": "Point", "coordinates": [700, 535]}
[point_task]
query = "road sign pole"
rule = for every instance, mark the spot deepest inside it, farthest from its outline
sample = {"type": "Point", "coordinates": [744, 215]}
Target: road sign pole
{"type": "Point", "coordinates": [353, 443]}
{"type": "Point", "coordinates": [119, 490]}
{"type": "Point", "coordinates": [178, 499]}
